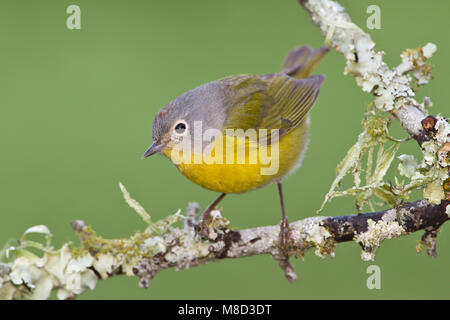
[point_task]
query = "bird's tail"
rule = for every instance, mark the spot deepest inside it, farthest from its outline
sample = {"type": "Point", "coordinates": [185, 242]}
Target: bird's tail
{"type": "Point", "coordinates": [301, 61]}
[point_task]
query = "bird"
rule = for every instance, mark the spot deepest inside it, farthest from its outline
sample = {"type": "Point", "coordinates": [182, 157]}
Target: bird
{"type": "Point", "coordinates": [242, 132]}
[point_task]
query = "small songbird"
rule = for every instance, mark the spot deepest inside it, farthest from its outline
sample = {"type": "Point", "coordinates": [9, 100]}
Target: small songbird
{"type": "Point", "coordinates": [264, 118]}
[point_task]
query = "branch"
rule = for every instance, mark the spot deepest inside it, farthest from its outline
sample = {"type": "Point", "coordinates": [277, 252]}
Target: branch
{"type": "Point", "coordinates": [391, 87]}
{"type": "Point", "coordinates": [393, 94]}
{"type": "Point", "coordinates": [71, 271]}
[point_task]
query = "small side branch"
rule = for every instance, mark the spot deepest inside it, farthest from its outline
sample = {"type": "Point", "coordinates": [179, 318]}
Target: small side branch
{"type": "Point", "coordinates": [389, 86]}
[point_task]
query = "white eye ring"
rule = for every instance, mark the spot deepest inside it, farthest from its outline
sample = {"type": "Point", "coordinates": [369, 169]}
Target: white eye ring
{"type": "Point", "coordinates": [181, 128]}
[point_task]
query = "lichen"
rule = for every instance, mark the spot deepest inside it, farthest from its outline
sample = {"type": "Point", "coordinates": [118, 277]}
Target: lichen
{"type": "Point", "coordinates": [434, 192]}
{"type": "Point", "coordinates": [34, 277]}
{"type": "Point", "coordinates": [407, 166]}
{"type": "Point", "coordinates": [373, 138]}
{"type": "Point", "coordinates": [432, 173]}
{"type": "Point", "coordinates": [376, 233]}
{"type": "Point", "coordinates": [319, 237]}
{"type": "Point", "coordinates": [394, 92]}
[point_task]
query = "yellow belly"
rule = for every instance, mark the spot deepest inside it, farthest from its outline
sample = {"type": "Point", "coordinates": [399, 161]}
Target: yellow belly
{"type": "Point", "coordinates": [239, 178]}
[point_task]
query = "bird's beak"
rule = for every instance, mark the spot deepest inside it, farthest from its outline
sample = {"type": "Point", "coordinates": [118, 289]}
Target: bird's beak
{"type": "Point", "coordinates": [154, 148]}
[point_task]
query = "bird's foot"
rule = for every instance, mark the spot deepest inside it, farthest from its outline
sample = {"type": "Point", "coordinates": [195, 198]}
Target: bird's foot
{"type": "Point", "coordinates": [284, 244]}
{"type": "Point", "coordinates": [206, 218]}
{"type": "Point", "coordinates": [212, 224]}
{"type": "Point", "coordinates": [204, 223]}
{"type": "Point", "coordinates": [284, 238]}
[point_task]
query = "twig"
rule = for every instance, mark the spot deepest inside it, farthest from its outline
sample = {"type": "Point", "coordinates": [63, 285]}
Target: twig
{"type": "Point", "coordinates": [391, 87]}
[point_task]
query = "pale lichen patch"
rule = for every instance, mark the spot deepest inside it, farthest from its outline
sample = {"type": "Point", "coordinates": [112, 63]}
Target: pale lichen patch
{"type": "Point", "coordinates": [390, 216]}
{"type": "Point", "coordinates": [376, 233]}
{"type": "Point", "coordinates": [407, 166]}
{"type": "Point", "coordinates": [319, 237]}
{"type": "Point", "coordinates": [434, 192]}
{"type": "Point", "coordinates": [35, 277]}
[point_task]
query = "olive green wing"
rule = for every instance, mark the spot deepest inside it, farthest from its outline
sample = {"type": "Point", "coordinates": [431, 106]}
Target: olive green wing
{"type": "Point", "coordinates": [270, 102]}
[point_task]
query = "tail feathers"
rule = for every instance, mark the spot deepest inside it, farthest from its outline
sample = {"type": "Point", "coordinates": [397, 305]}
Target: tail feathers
{"type": "Point", "coordinates": [301, 61]}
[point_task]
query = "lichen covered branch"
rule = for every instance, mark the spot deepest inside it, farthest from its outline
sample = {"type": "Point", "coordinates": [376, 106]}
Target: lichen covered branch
{"type": "Point", "coordinates": [176, 242]}
{"type": "Point", "coordinates": [393, 90]}
{"type": "Point", "coordinates": [391, 87]}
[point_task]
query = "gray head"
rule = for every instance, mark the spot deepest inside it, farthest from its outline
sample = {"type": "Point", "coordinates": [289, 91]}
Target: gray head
{"type": "Point", "coordinates": [203, 105]}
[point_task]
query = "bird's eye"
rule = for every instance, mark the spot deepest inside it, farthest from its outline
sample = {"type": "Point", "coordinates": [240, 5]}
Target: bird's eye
{"type": "Point", "coordinates": [180, 128]}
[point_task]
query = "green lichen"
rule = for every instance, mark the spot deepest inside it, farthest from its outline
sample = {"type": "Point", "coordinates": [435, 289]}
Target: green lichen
{"type": "Point", "coordinates": [372, 139]}
{"type": "Point", "coordinates": [392, 91]}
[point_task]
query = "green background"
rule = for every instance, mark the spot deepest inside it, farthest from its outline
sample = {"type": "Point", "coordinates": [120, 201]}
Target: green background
{"type": "Point", "coordinates": [77, 108]}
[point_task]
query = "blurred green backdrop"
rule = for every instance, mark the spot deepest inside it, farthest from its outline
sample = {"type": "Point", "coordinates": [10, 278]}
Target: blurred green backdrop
{"type": "Point", "coordinates": [77, 108]}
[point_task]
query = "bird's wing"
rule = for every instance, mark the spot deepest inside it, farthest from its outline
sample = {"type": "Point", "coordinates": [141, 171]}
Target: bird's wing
{"type": "Point", "coordinates": [270, 102]}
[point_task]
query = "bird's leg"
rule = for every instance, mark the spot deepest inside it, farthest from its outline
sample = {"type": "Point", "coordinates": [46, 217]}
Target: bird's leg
{"type": "Point", "coordinates": [205, 219]}
{"type": "Point", "coordinates": [206, 215]}
{"type": "Point", "coordinates": [283, 245]}
{"type": "Point", "coordinates": [284, 226]}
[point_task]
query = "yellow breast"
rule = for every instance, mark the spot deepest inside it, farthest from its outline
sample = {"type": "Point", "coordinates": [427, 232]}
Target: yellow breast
{"type": "Point", "coordinates": [251, 170]}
